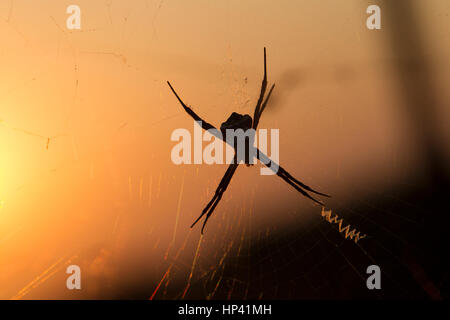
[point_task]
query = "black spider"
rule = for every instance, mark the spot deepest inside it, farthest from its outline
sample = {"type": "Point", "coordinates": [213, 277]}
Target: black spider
{"type": "Point", "coordinates": [238, 121]}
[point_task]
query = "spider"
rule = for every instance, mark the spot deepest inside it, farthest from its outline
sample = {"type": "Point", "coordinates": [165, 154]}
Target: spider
{"type": "Point", "coordinates": [245, 122]}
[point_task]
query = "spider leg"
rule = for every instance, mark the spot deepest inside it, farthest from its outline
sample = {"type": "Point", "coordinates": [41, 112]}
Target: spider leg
{"type": "Point", "coordinates": [205, 125]}
{"type": "Point", "coordinates": [212, 210]}
{"type": "Point", "coordinates": [303, 192]}
{"type": "Point", "coordinates": [283, 174]}
{"type": "Point", "coordinates": [263, 106]}
{"type": "Point", "coordinates": [218, 194]}
{"type": "Point", "coordinates": [261, 95]}
{"type": "Point", "coordinates": [304, 186]}
{"type": "Point", "coordinates": [205, 210]}
{"type": "Point", "coordinates": [219, 197]}
{"type": "Point", "coordinates": [213, 200]}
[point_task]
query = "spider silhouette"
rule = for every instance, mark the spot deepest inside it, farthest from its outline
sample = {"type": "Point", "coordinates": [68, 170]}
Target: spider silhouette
{"type": "Point", "coordinates": [244, 122]}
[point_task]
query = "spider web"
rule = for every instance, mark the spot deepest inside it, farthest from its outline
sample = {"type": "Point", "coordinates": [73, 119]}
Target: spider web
{"type": "Point", "coordinates": [310, 260]}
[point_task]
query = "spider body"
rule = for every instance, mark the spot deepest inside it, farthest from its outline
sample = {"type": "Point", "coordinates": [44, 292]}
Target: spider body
{"type": "Point", "coordinates": [244, 122]}
{"type": "Point", "coordinates": [237, 121]}
{"type": "Point", "coordinates": [240, 124]}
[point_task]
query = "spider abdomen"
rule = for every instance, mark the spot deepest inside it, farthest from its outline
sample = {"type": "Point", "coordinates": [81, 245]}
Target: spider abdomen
{"type": "Point", "coordinates": [237, 131]}
{"type": "Point", "coordinates": [237, 121]}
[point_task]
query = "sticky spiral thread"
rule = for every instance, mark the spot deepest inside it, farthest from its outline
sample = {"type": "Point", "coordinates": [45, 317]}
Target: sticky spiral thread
{"type": "Point", "coordinates": [352, 234]}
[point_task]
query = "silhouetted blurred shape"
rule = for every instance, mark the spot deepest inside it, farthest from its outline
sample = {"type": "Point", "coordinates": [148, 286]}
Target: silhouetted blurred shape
{"type": "Point", "coordinates": [420, 110]}
{"type": "Point", "coordinates": [415, 80]}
